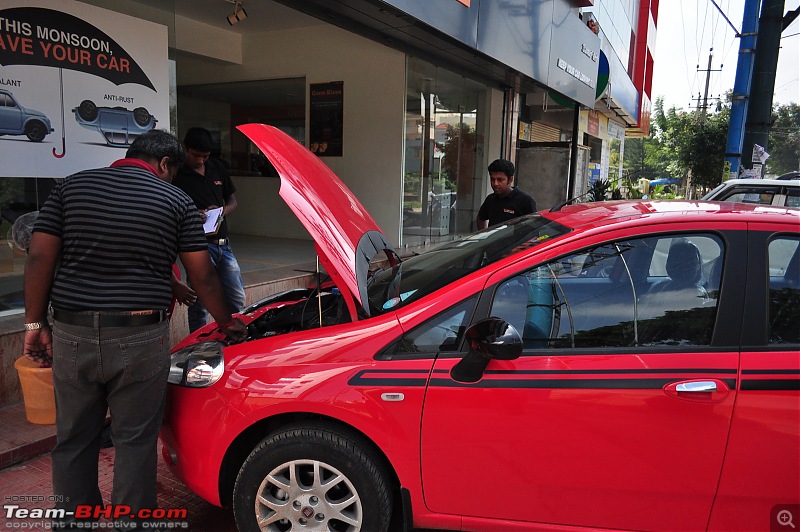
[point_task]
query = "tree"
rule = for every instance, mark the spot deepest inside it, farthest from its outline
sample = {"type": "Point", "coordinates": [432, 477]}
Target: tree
{"type": "Point", "coordinates": [687, 146]}
{"type": "Point", "coordinates": [784, 139]}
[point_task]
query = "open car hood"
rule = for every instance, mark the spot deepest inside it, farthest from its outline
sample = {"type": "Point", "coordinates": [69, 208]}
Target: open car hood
{"type": "Point", "coordinates": [346, 236]}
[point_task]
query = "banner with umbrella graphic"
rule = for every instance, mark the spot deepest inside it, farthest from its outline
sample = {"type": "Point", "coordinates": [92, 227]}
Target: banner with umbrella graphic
{"type": "Point", "coordinates": [106, 69]}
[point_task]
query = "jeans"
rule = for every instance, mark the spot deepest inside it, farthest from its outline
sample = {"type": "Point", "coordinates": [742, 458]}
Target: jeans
{"type": "Point", "coordinates": [121, 369]}
{"type": "Point", "coordinates": [230, 275]}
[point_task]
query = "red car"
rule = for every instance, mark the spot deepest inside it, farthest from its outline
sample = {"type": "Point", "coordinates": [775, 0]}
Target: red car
{"type": "Point", "coordinates": [615, 365]}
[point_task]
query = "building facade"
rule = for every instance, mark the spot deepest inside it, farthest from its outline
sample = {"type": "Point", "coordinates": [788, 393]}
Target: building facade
{"type": "Point", "coordinates": [408, 102]}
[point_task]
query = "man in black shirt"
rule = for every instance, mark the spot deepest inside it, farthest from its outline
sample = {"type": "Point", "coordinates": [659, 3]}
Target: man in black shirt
{"type": "Point", "coordinates": [207, 182]}
{"type": "Point", "coordinates": [506, 202]}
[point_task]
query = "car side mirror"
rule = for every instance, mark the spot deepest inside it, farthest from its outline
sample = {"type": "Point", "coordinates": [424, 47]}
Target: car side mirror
{"type": "Point", "coordinates": [489, 339]}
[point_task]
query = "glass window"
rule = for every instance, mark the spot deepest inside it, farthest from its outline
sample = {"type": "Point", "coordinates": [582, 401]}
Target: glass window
{"type": "Point", "coordinates": [650, 291]}
{"type": "Point", "coordinates": [218, 107]}
{"type": "Point", "coordinates": [784, 290]}
{"type": "Point", "coordinates": [761, 197]}
{"type": "Point", "coordinates": [20, 200]}
{"type": "Point", "coordinates": [441, 333]}
{"type": "Point", "coordinates": [793, 197]}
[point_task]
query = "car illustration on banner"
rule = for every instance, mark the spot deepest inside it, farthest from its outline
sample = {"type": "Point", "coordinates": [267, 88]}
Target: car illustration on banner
{"type": "Point", "coordinates": [118, 125]}
{"type": "Point", "coordinates": [615, 365]}
{"type": "Point", "coordinates": [15, 119]}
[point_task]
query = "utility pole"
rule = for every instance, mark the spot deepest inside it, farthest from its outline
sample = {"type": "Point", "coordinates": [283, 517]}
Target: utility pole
{"type": "Point", "coordinates": [759, 110]}
{"type": "Point", "coordinates": [700, 116]}
{"type": "Point", "coordinates": [741, 87]}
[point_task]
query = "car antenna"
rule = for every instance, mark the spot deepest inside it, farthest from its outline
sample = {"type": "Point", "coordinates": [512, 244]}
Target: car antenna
{"type": "Point", "coordinates": [562, 205]}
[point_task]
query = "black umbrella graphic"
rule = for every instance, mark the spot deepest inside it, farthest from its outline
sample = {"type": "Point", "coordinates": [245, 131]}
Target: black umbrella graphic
{"type": "Point", "coordinates": [44, 37]}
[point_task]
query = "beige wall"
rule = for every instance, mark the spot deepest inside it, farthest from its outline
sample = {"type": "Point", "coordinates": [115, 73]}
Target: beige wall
{"type": "Point", "coordinates": [374, 99]}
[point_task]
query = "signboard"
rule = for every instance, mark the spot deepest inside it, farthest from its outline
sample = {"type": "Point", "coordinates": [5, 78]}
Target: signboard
{"type": "Point", "coordinates": [78, 84]}
{"type": "Point", "coordinates": [593, 127]}
{"type": "Point", "coordinates": [326, 118]}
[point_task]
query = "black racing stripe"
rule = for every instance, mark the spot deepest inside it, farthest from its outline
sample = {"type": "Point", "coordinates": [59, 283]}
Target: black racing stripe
{"type": "Point", "coordinates": [359, 379]}
{"type": "Point", "coordinates": [770, 384]}
{"type": "Point", "coordinates": [600, 371]}
{"type": "Point", "coordinates": [771, 371]}
{"type": "Point", "coordinates": [589, 384]}
{"type": "Point", "coordinates": [366, 381]}
{"type": "Point", "coordinates": [609, 371]}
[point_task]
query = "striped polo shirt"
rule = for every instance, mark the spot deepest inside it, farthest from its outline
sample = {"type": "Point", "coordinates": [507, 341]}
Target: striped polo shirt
{"type": "Point", "coordinates": [121, 229]}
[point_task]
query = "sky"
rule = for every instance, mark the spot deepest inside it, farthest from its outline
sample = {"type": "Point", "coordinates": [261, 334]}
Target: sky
{"type": "Point", "coordinates": [688, 29]}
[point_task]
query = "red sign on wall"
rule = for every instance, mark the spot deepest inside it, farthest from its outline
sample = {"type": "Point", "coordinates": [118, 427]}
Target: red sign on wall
{"type": "Point", "coordinates": [593, 127]}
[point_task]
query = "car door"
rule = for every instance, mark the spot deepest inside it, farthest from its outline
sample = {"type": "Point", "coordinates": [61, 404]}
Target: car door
{"type": "Point", "coordinates": [617, 413]}
{"type": "Point", "coordinates": [760, 483]}
{"type": "Point", "coordinates": [10, 115]}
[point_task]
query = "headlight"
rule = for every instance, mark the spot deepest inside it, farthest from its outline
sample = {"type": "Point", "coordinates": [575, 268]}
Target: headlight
{"type": "Point", "coordinates": [197, 366]}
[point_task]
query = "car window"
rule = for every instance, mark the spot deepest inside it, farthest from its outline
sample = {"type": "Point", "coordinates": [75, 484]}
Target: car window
{"type": "Point", "coordinates": [443, 332]}
{"type": "Point", "coordinates": [793, 197]}
{"type": "Point", "coordinates": [650, 291]}
{"type": "Point", "coordinates": [784, 291]}
{"type": "Point", "coordinates": [763, 197]}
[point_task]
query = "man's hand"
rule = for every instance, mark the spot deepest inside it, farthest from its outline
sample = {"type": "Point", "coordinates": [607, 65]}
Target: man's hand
{"type": "Point", "coordinates": [38, 346]}
{"type": "Point", "coordinates": [183, 293]}
{"type": "Point", "coordinates": [236, 331]}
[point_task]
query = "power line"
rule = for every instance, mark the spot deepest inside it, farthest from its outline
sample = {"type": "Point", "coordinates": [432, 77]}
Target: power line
{"type": "Point", "coordinates": [738, 33]}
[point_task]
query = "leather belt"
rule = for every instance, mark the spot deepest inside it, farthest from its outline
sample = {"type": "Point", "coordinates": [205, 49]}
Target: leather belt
{"type": "Point", "coordinates": [218, 241]}
{"type": "Point", "coordinates": [132, 318]}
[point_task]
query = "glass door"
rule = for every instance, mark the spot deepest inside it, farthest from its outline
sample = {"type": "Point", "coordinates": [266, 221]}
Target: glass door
{"type": "Point", "coordinates": [445, 114]}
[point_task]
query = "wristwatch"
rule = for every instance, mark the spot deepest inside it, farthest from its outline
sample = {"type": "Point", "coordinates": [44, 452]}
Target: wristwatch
{"type": "Point", "coordinates": [36, 325]}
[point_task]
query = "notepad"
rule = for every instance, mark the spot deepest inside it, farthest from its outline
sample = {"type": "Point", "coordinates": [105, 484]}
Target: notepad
{"type": "Point", "coordinates": [213, 221]}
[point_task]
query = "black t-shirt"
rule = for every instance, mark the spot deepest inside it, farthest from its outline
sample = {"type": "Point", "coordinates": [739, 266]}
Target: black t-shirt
{"type": "Point", "coordinates": [213, 188]}
{"type": "Point", "coordinates": [498, 210]}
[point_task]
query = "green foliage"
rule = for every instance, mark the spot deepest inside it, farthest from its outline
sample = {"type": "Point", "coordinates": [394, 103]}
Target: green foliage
{"type": "Point", "coordinates": [599, 189]}
{"type": "Point", "coordinates": [457, 158]}
{"type": "Point", "coordinates": [663, 192]}
{"type": "Point", "coordinates": [784, 139]}
{"type": "Point", "coordinates": [681, 145]}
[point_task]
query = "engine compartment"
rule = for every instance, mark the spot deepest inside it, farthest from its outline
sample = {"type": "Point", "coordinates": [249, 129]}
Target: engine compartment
{"type": "Point", "coordinates": [295, 310]}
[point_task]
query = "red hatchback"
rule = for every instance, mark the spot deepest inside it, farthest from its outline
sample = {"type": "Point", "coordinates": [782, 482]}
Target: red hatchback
{"type": "Point", "coordinates": [615, 365]}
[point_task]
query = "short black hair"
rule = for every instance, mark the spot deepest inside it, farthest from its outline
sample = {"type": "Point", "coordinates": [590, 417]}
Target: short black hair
{"type": "Point", "coordinates": [200, 139]}
{"type": "Point", "coordinates": [502, 165]}
{"type": "Point", "coordinates": [157, 144]}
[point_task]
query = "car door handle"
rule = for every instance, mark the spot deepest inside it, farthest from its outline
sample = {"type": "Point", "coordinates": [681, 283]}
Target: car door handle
{"type": "Point", "coordinates": [697, 387]}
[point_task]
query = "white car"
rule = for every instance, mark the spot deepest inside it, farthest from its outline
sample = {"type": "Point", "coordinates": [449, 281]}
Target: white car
{"type": "Point", "coordinates": [784, 192]}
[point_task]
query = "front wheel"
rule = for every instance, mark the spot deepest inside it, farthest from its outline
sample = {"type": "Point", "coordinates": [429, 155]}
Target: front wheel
{"type": "Point", "coordinates": [308, 477]}
{"type": "Point", "coordinates": [35, 131]}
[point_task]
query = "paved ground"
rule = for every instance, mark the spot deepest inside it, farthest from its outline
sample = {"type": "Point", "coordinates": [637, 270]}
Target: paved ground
{"type": "Point", "coordinates": [28, 484]}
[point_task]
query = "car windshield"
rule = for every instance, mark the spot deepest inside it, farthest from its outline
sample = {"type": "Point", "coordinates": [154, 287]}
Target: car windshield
{"type": "Point", "coordinates": [422, 274]}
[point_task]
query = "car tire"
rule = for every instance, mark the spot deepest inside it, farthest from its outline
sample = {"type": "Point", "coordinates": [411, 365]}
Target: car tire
{"type": "Point", "coordinates": [141, 116]}
{"type": "Point", "coordinates": [35, 130]}
{"type": "Point", "coordinates": [329, 465]}
{"type": "Point", "coordinates": [87, 110]}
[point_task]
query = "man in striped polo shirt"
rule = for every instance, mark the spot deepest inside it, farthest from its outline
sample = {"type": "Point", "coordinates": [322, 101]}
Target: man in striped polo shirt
{"type": "Point", "coordinates": [114, 234]}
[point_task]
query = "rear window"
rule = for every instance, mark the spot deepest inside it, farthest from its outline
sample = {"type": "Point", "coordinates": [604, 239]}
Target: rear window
{"type": "Point", "coordinates": [784, 290]}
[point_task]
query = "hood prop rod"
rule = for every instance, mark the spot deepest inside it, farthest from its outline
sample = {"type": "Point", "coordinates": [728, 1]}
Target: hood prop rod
{"type": "Point", "coordinates": [319, 293]}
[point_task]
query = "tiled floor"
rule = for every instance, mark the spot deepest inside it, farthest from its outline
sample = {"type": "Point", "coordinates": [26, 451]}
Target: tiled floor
{"type": "Point", "coordinates": [19, 439]}
{"type": "Point", "coordinates": [28, 485]}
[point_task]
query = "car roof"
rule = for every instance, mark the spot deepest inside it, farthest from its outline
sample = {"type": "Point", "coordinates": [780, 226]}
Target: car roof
{"type": "Point", "coordinates": [606, 213]}
{"type": "Point", "coordinates": [753, 181]}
